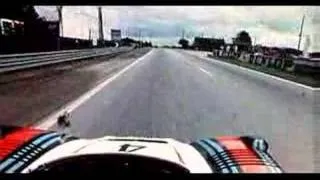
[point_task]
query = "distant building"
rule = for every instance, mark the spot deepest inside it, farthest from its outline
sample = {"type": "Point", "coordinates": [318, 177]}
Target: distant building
{"type": "Point", "coordinates": [10, 27]}
{"type": "Point", "coordinates": [23, 30]}
{"type": "Point", "coordinates": [207, 44]}
{"type": "Point", "coordinates": [115, 34]}
{"type": "Point", "coordinates": [128, 42]}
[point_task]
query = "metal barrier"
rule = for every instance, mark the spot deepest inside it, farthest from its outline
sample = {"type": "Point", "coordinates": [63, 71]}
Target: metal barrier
{"type": "Point", "coordinates": [14, 62]}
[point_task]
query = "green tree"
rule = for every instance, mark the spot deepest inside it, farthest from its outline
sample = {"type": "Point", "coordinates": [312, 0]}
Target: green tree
{"type": "Point", "coordinates": [243, 40]}
{"type": "Point", "coordinates": [184, 43]}
{"type": "Point", "coordinates": [243, 37]}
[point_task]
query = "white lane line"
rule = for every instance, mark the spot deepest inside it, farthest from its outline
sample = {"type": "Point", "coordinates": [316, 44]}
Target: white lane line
{"type": "Point", "coordinates": [269, 76]}
{"type": "Point", "coordinates": [205, 71]}
{"type": "Point", "coordinates": [49, 121]}
{"type": "Point", "coordinates": [261, 73]}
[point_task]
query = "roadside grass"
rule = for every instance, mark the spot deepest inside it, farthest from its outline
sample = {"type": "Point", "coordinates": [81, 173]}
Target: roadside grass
{"type": "Point", "coordinates": [313, 81]}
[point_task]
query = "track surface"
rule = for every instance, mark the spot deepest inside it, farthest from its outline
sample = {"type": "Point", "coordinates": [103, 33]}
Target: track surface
{"type": "Point", "coordinates": [173, 94]}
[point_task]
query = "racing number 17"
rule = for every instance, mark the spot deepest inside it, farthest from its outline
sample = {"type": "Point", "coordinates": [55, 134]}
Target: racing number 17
{"type": "Point", "coordinates": [130, 148]}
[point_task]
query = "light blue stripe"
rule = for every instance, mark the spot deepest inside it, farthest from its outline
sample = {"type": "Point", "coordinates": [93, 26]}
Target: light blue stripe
{"type": "Point", "coordinates": [15, 167]}
{"type": "Point", "coordinates": [225, 170]}
{"type": "Point", "coordinates": [266, 158]}
{"type": "Point", "coordinates": [255, 144]}
{"type": "Point", "coordinates": [42, 138]}
{"type": "Point", "coordinates": [270, 163]}
{"type": "Point", "coordinates": [24, 150]}
{"type": "Point", "coordinates": [208, 149]}
{"type": "Point", "coordinates": [215, 145]}
{"type": "Point", "coordinates": [215, 157]}
{"type": "Point", "coordinates": [225, 155]}
{"type": "Point", "coordinates": [6, 163]}
{"type": "Point", "coordinates": [211, 152]}
{"type": "Point", "coordinates": [221, 165]}
{"type": "Point", "coordinates": [218, 161]}
{"type": "Point", "coordinates": [234, 169]}
{"type": "Point", "coordinates": [45, 145]}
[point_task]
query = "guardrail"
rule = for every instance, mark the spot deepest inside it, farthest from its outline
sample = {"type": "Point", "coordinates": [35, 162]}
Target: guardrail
{"type": "Point", "coordinates": [13, 62]}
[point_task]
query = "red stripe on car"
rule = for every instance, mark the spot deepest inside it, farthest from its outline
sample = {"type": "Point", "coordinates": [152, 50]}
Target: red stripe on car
{"type": "Point", "coordinates": [243, 155]}
{"type": "Point", "coordinates": [14, 140]}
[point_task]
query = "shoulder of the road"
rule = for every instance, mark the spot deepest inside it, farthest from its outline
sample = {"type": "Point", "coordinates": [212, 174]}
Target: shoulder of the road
{"type": "Point", "coordinates": [50, 120]}
{"type": "Point", "coordinates": [268, 77]}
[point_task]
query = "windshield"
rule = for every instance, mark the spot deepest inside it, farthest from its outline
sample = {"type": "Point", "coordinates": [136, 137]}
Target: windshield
{"type": "Point", "coordinates": [181, 72]}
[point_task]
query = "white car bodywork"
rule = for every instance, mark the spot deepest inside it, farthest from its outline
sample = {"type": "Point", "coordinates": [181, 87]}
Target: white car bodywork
{"type": "Point", "coordinates": [166, 149]}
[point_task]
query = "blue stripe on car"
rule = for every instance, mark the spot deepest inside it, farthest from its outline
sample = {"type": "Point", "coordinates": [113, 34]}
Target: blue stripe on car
{"type": "Point", "coordinates": [15, 167]}
{"type": "Point", "coordinates": [212, 153]}
{"type": "Point", "coordinates": [23, 152]}
{"type": "Point", "coordinates": [215, 145]}
{"type": "Point", "coordinates": [42, 138]}
{"type": "Point", "coordinates": [45, 145]}
{"type": "Point", "coordinates": [6, 163]}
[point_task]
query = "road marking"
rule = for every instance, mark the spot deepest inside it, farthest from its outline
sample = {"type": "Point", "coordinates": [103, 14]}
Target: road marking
{"type": "Point", "coordinates": [49, 121]}
{"type": "Point", "coordinates": [205, 71]}
{"type": "Point", "coordinates": [257, 72]}
{"type": "Point", "coordinates": [268, 75]}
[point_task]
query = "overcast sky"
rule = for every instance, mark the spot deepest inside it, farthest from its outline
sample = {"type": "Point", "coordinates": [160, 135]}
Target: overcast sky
{"type": "Point", "coordinates": [267, 25]}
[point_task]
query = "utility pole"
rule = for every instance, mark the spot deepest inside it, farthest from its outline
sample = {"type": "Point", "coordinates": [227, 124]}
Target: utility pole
{"type": "Point", "coordinates": [191, 35]}
{"type": "Point", "coordinates": [90, 37]}
{"type": "Point", "coordinates": [182, 34]}
{"type": "Point", "coordinates": [150, 36]}
{"type": "Point", "coordinates": [139, 37]}
{"type": "Point", "coordinates": [301, 29]}
{"type": "Point", "coordinates": [101, 39]}
{"type": "Point", "coordinates": [128, 32]}
{"type": "Point", "coordinates": [59, 10]}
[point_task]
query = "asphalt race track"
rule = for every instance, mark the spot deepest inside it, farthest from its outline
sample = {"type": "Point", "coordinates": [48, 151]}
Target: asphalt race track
{"type": "Point", "coordinates": [172, 94]}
